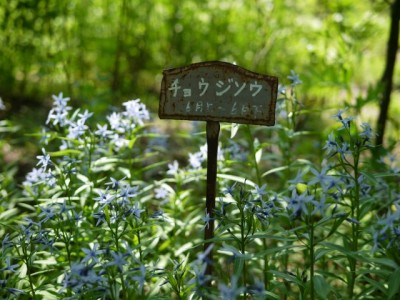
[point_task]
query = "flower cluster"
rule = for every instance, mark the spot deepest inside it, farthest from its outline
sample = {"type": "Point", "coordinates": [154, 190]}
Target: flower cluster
{"type": "Point", "coordinates": [108, 218]}
{"type": "Point", "coordinates": [386, 235]}
{"type": "Point", "coordinates": [58, 115]}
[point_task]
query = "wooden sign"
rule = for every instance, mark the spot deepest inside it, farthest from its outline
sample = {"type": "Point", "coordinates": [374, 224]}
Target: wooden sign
{"type": "Point", "coordinates": [218, 91]}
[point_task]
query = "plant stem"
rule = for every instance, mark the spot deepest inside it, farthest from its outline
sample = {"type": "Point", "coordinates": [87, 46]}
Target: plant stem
{"type": "Point", "coordinates": [140, 246]}
{"type": "Point", "coordinates": [312, 258]}
{"type": "Point", "coordinates": [253, 154]}
{"type": "Point", "coordinates": [355, 215]}
{"type": "Point", "coordinates": [243, 241]}
{"type": "Point", "coordinates": [28, 258]}
{"type": "Point", "coordinates": [116, 240]}
{"type": "Point", "coordinates": [258, 174]}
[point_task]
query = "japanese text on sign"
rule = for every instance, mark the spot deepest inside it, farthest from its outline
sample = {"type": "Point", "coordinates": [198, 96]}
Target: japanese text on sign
{"type": "Point", "coordinates": [217, 91]}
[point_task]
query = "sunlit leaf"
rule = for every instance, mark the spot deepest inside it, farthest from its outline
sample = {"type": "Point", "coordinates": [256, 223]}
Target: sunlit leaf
{"type": "Point", "coordinates": [234, 129]}
{"type": "Point", "coordinates": [9, 213]}
{"type": "Point", "coordinates": [237, 179]}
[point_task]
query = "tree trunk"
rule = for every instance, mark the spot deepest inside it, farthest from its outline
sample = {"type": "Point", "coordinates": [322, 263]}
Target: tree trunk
{"type": "Point", "coordinates": [387, 77]}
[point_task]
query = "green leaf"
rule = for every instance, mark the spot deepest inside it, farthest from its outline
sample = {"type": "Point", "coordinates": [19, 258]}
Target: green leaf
{"type": "Point", "coordinates": [287, 277]}
{"type": "Point", "coordinates": [375, 285]}
{"type": "Point", "coordinates": [234, 129]}
{"type": "Point", "coordinates": [230, 249]}
{"type": "Point", "coordinates": [153, 166]}
{"type": "Point", "coordinates": [321, 287]}
{"type": "Point", "coordinates": [238, 266]}
{"type": "Point", "coordinates": [339, 248]}
{"type": "Point", "coordinates": [302, 161]}
{"type": "Point", "coordinates": [27, 206]}
{"type": "Point", "coordinates": [82, 188]}
{"type": "Point", "coordinates": [336, 224]}
{"type": "Point", "coordinates": [321, 252]}
{"type": "Point", "coordinates": [237, 179]}
{"type": "Point", "coordinates": [271, 295]}
{"type": "Point", "coordinates": [381, 261]}
{"type": "Point", "coordinates": [83, 178]}
{"type": "Point", "coordinates": [274, 170]}
{"type": "Point", "coordinates": [66, 152]}
{"type": "Point", "coordinates": [278, 251]}
{"type": "Point", "coordinates": [394, 284]}
{"type": "Point", "coordinates": [132, 143]}
{"type": "Point", "coordinates": [8, 213]}
{"type": "Point", "coordinates": [183, 248]}
{"type": "Point", "coordinates": [258, 155]}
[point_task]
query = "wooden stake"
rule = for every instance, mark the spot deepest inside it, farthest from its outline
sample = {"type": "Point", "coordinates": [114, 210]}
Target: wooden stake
{"type": "Point", "coordinates": [212, 131]}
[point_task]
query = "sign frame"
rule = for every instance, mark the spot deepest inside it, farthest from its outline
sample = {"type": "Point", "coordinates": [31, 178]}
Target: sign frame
{"type": "Point", "coordinates": [219, 72]}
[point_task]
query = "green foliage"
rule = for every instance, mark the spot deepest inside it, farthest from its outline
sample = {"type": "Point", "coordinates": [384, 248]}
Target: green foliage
{"type": "Point", "coordinates": [94, 49]}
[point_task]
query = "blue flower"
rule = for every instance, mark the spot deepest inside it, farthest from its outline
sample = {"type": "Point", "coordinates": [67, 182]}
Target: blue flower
{"type": "Point", "coordinates": [260, 191]}
{"type": "Point", "coordinates": [136, 111]}
{"type": "Point", "coordinates": [389, 221]}
{"type": "Point", "coordinates": [322, 178]}
{"type": "Point", "coordinates": [161, 193]}
{"type": "Point", "coordinates": [257, 289]}
{"type": "Point", "coordinates": [230, 189]}
{"type": "Point", "coordinates": [102, 131]}
{"type": "Point", "coordinates": [158, 214]}
{"type": "Point", "coordinates": [15, 291]}
{"type": "Point", "coordinates": [137, 211]}
{"type": "Point", "coordinates": [202, 257]}
{"type": "Point", "coordinates": [207, 219]}
{"type": "Point", "coordinates": [60, 100]}
{"type": "Point", "coordinates": [298, 179]}
{"type": "Point", "coordinates": [81, 275]}
{"type": "Point", "coordinates": [9, 266]}
{"type": "Point", "coordinates": [299, 203]}
{"type": "Point", "coordinates": [141, 278]}
{"type": "Point", "coordinates": [92, 253]}
{"type": "Point", "coordinates": [367, 131]}
{"type": "Point", "coordinates": [115, 120]}
{"type": "Point", "coordinates": [104, 198]}
{"type": "Point", "coordinates": [44, 160]}
{"type": "Point", "coordinates": [6, 243]}
{"type": "Point", "coordinates": [77, 129]}
{"type": "Point", "coordinates": [338, 116]}
{"type": "Point", "coordinates": [320, 206]}
{"type": "Point", "coordinates": [281, 89]}
{"type": "Point", "coordinates": [77, 217]}
{"type": "Point", "coordinates": [331, 145]}
{"type": "Point", "coordinates": [47, 212]}
{"type": "Point", "coordinates": [230, 292]}
{"type": "Point", "coordinates": [128, 192]}
{"type": "Point", "coordinates": [200, 279]}
{"type": "Point", "coordinates": [100, 216]}
{"type": "Point", "coordinates": [86, 115]}
{"type": "Point", "coordinates": [114, 183]}
{"type": "Point", "coordinates": [118, 260]}
{"type": "Point", "coordinates": [173, 168]}
{"type": "Point", "coordinates": [195, 160]}
{"type": "Point", "coordinates": [346, 123]}
{"type": "Point", "coordinates": [294, 78]}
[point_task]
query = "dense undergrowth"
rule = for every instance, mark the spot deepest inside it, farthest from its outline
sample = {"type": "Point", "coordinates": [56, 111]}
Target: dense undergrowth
{"type": "Point", "coordinates": [108, 214]}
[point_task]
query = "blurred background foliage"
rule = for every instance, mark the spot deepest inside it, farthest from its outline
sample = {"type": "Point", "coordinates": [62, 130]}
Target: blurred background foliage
{"type": "Point", "coordinates": [103, 52]}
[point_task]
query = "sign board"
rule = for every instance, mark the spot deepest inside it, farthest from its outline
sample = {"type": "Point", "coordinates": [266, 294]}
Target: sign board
{"type": "Point", "coordinates": [218, 91]}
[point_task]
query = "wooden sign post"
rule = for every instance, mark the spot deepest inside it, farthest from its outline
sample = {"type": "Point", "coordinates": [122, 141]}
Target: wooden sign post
{"type": "Point", "coordinates": [217, 92]}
